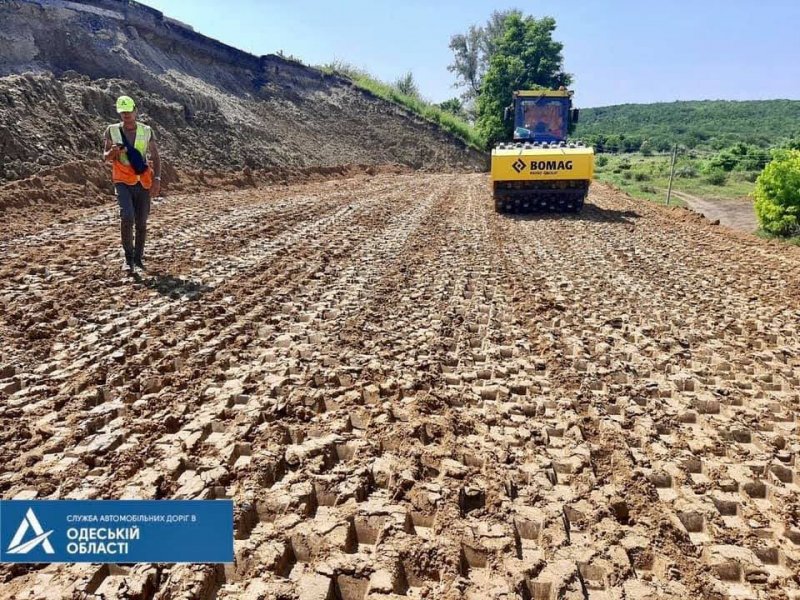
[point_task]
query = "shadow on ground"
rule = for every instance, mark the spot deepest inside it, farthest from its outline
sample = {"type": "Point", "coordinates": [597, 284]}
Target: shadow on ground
{"type": "Point", "coordinates": [173, 287]}
{"type": "Point", "coordinates": [590, 212]}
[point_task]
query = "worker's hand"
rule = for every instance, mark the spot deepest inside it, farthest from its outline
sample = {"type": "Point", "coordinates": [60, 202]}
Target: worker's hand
{"type": "Point", "coordinates": [155, 189]}
{"type": "Point", "coordinates": [113, 153]}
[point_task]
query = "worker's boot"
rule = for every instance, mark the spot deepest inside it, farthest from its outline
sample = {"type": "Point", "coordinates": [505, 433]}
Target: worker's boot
{"type": "Point", "coordinates": [141, 236]}
{"type": "Point", "coordinates": [126, 232]}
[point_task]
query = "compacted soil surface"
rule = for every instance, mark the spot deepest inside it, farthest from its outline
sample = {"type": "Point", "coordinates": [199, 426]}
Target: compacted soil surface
{"type": "Point", "coordinates": [408, 395]}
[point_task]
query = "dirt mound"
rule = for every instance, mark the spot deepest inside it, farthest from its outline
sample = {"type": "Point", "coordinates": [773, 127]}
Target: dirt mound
{"type": "Point", "coordinates": [73, 185]}
{"type": "Point", "coordinates": [213, 108]}
{"type": "Point", "coordinates": [83, 184]}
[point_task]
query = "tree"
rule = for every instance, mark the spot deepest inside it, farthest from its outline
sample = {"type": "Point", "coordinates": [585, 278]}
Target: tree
{"type": "Point", "coordinates": [454, 106]}
{"type": "Point", "coordinates": [777, 194]}
{"type": "Point", "coordinates": [630, 143]}
{"type": "Point", "coordinates": [598, 141]}
{"type": "Point", "coordinates": [473, 51]}
{"type": "Point", "coordinates": [493, 33]}
{"type": "Point", "coordinates": [662, 145]}
{"type": "Point", "coordinates": [406, 85]}
{"type": "Point", "coordinates": [526, 58]}
{"type": "Point", "coordinates": [467, 63]}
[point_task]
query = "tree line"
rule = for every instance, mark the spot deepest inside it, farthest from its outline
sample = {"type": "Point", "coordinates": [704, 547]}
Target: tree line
{"type": "Point", "coordinates": [706, 125]}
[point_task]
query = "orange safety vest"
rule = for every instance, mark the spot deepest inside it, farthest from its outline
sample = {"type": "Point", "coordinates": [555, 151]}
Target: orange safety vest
{"type": "Point", "coordinates": [122, 171]}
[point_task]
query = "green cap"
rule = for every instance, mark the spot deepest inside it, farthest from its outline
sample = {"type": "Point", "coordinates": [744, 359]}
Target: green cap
{"type": "Point", "coordinates": [125, 104]}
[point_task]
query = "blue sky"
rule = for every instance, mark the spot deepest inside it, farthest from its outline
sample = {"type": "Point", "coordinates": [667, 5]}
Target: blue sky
{"type": "Point", "coordinates": [618, 50]}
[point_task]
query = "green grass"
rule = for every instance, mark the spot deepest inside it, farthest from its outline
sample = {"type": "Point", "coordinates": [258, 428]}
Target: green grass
{"type": "Point", "coordinates": [647, 177]}
{"type": "Point", "coordinates": [446, 120]}
{"type": "Point", "coordinates": [795, 241]}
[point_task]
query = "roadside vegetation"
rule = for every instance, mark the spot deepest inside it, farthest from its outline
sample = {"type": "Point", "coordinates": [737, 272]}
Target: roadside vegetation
{"type": "Point", "coordinates": [728, 174]}
{"type": "Point", "coordinates": [777, 195]}
{"type": "Point", "coordinates": [770, 178]}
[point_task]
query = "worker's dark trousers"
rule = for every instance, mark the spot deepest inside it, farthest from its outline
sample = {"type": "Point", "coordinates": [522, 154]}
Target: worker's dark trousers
{"type": "Point", "coordinates": [134, 208]}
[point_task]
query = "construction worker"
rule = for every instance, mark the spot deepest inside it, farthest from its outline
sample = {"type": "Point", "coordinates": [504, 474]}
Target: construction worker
{"type": "Point", "coordinates": [127, 145]}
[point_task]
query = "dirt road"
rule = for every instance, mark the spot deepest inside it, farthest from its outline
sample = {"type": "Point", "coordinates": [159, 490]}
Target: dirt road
{"type": "Point", "coordinates": [737, 214]}
{"type": "Point", "coordinates": [408, 395]}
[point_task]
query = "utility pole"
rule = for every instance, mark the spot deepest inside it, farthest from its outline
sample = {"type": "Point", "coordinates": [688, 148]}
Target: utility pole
{"type": "Point", "coordinates": [672, 172]}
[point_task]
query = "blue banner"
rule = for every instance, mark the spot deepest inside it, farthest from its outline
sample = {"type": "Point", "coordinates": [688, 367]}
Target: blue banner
{"type": "Point", "coordinates": [116, 531]}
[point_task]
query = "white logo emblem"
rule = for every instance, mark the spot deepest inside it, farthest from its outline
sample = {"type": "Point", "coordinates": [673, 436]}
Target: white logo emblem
{"type": "Point", "coordinates": [30, 520]}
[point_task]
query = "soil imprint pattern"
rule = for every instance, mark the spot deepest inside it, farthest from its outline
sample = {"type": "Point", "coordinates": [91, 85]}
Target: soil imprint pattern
{"type": "Point", "coordinates": [408, 395]}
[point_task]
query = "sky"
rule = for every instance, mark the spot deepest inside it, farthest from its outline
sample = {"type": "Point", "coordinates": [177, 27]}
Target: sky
{"type": "Point", "coordinates": [619, 51]}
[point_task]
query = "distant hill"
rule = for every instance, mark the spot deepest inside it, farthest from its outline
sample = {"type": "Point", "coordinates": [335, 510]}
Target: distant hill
{"type": "Point", "coordinates": [711, 124]}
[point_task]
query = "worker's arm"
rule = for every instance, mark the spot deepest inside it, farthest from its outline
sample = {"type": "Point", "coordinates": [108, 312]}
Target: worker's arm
{"type": "Point", "coordinates": [155, 189]}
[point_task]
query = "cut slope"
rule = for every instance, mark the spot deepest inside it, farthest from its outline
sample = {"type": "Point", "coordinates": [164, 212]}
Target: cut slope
{"type": "Point", "coordinates": [212, 106]}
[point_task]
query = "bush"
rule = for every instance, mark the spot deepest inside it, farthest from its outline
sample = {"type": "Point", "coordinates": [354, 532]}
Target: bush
{"type": "Point", "coordinates": [648, 189]}
{"type": "Point", "coordinates": [639, 176]}
{"type": "Point", "coordinates": [686, 171]}
{"type": "Point", "coordinates": [724, 161]}
{"type": "Point", "coordinates": [601, 160]}
{"type": "Point", "coordinates": [407, 86]}
{"type": "Point", "coordinates": [454, 106]}
{"type": "Point", "coordinates": [716, 177]}
{"type": "Point", "coordinates": [777, 194]}
{"type": "Point", "coordinates": [739, 157]}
